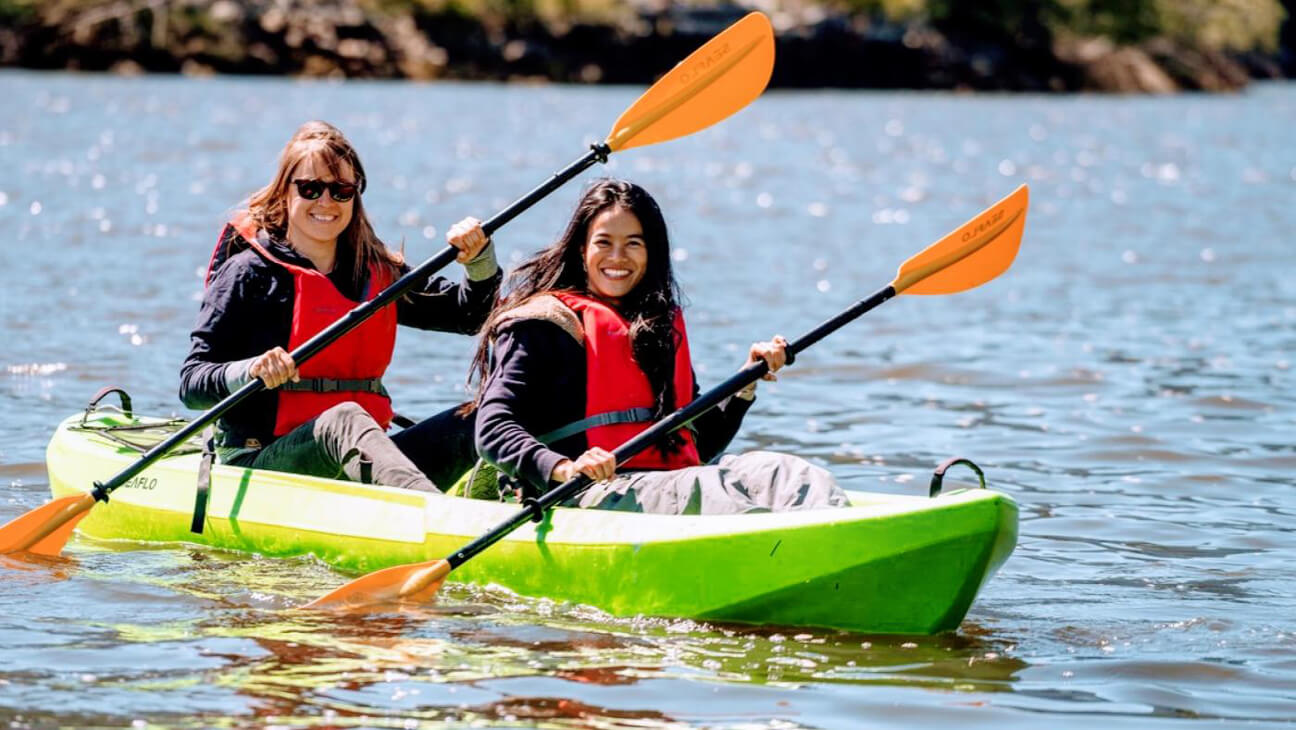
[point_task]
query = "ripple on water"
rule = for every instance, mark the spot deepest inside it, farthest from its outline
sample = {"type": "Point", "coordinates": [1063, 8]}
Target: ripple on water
{"type": "Point", "coordinates": [1127, 381]}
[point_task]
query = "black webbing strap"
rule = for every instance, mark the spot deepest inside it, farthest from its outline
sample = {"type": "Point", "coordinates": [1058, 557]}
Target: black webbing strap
{"type": "Point", "coordinates": [203, 493]}
{"type": "Point", "coordinates": [611, 418]}
{"type": "Point", "coordinates": [104, 393]}
{"type": "Point", "coordinates": [333, 385]}
{"type": "Point", "coordinates": [938, 476]}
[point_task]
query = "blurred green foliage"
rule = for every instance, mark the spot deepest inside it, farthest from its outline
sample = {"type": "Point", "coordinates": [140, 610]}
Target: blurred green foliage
{"type": "Point", "coordinates": [1232, 24]}
{"type": "Point", "coordinates": [13, 11]}
{"type": "Point", "coordinates": [1220, 24]}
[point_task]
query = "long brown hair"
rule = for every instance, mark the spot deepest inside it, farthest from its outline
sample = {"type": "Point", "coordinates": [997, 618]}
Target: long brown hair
{"type": "Point", "coordinates": [325, 146]}
{"type": "Point", "coordinates": [649, 308]}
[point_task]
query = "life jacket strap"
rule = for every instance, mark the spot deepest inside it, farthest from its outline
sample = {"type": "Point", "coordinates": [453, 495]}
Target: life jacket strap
{"type": "Point", "coordinates": [333, 385]}
{"type": "Point", "coordinates": [610, 418]}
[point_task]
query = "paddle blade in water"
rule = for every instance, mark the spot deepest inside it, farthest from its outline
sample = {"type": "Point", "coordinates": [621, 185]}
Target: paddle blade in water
{"type": "Point", "coordinates": [46, 529]}
{"type": "Point", "coordinates": [413, 583]}
{"type": "Point", "coordinates": [972, 254]}
{"type": "Point", "coordinates": [732, 68]}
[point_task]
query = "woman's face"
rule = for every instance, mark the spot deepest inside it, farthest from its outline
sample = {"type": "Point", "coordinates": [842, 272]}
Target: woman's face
{"type": "Point", "coordinates": [616, 256]}
{"type": "Point", "coordinates": [322, 220]}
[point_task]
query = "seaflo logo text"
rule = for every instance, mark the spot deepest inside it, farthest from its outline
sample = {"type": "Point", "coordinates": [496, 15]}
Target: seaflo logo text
{"type": "Point", "coordinates": [141, 483]}
{"type": "Point", "coordinates": [989, 222]}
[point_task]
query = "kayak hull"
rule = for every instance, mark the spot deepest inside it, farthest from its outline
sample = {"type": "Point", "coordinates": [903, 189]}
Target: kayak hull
{"type": "Point", "coordinates": [888, 564]}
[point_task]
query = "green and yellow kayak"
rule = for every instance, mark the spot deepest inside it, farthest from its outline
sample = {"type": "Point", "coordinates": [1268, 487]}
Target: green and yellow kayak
{"type": "Point", "coordinates": [888, 564]}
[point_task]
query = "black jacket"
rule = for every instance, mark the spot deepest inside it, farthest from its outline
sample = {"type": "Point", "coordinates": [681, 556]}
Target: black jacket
{"type": "Point", "coordinates": [537, 384]}
{"type": "Point", "coordinates": [247, 310]}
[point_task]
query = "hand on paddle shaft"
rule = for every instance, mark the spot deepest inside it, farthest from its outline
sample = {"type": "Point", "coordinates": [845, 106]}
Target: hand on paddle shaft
{"type": "Point", "coordinates": [275, 366]}
{"type": "Point", "coordinates": [976, 252]}
{"type": "Point", "coordinates": [715, 81]}
{"type": "Point", "coordinates": [600, 464]}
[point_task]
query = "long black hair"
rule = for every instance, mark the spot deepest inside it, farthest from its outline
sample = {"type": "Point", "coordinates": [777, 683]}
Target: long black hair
{"type": "Point", "coordinates": [649, 308]}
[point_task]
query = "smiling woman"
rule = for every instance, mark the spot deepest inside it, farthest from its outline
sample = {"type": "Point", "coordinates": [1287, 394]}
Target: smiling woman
{"type": "Point", "coordinates": [616, 255]}
{"type": "Point", "coordinates": [319, 212]}
{"type": "Point", "coordinates": [589, 348]}
{"type": "Point", "coordinates": [300, 257]}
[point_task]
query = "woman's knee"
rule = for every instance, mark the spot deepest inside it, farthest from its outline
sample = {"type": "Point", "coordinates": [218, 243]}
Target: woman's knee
{"type": "Point", "coordinates": [348, 413]}
{"type": "Point", "coordinates": [344, 424]}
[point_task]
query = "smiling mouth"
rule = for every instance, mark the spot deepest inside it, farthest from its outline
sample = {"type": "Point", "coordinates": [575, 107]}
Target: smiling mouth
{"type": "Point", "coordinates": [616, 273]}
{"type": "Point", "coordinates": [322, 218]}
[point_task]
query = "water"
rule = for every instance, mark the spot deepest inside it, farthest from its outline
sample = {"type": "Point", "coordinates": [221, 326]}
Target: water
{"type": "Point", "coordinates": [1129, 381]}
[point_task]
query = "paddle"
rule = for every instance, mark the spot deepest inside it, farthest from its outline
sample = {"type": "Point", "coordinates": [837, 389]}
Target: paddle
{"type": "Point", "coordinates": [971, 255]}
{"type": "Point", "coordinates": [712, 83]}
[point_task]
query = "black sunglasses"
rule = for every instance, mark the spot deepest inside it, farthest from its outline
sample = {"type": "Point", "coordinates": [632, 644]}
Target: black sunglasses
{"type": "Point", "coordinates": [313, 189]}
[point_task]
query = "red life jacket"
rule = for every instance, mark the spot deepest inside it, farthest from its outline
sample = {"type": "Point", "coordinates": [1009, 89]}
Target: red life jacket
{"type": "Point", "coordinates": [618, 395]}
{"type": "Point", "coordinates": [350, 368]}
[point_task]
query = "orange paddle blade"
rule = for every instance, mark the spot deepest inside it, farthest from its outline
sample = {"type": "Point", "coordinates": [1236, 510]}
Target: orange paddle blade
{"type": "Point", "coordinates": [413, 583]}
{"type": "Point", "coordinates": [972, 254]}
{"type": "Point", "coordinates": [733, 68]}
{"type": "Point", "coordinates": [46, 529]}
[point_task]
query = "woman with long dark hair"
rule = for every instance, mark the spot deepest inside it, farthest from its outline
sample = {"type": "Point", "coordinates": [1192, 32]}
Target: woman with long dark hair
{"type": "Point", "coordinates": [589, 348]}
{"type": "Point", "coordinates": [301, 256]}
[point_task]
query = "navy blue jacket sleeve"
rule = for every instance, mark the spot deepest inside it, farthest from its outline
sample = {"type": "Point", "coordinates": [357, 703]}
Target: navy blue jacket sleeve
{"type": "Point", "coordinates": [217, 339]}
{"type": "Point", "coordinates": [536, 384]}
{"type": "Point", "coordinates": [445, 306]}
{"type": "Point", "coordinates": [717, 427]}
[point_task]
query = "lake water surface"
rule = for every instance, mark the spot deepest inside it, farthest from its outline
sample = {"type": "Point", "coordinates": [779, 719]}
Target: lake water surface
{"type": "Point", "coordinates": [1129, 382]}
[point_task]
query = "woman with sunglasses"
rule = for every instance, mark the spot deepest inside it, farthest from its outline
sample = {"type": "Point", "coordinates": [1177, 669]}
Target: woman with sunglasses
{"type": "Point", "coordinates": [589, 349]}
{"type": "Point", "coordinates": [298, 258]}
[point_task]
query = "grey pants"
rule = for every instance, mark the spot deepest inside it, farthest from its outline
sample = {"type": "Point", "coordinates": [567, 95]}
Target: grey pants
{"type": "Point", "coordinates": [757, 481]}
{"type": "Point", "coordinates": [344, 442]}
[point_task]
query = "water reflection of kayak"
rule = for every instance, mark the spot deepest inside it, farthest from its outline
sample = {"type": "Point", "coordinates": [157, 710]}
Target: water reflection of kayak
{"type": "Point", "coordinates": [891, 563]}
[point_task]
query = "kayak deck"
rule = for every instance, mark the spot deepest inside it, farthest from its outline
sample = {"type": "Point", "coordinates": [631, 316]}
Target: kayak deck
{"type": "Point", "coordinates": [888, 564]}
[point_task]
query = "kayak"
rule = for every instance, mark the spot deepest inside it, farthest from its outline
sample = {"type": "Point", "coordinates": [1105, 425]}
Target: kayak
{"type": "Point", "coordinates": [887, 564]}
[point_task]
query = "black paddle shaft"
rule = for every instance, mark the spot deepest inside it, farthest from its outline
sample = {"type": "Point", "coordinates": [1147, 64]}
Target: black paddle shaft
{"type": "Point", "coordinates": [677, 420]}
{"type": "Point", "coordinates": [351, 320]}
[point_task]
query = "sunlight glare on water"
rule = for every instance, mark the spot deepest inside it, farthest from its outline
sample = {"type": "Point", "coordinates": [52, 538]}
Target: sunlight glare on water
{"type": "Point", "coordinates": [1129, 382]}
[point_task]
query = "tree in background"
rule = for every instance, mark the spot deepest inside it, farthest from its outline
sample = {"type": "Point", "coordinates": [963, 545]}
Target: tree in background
{"type": "Point", "coordinates": [1233, 25]}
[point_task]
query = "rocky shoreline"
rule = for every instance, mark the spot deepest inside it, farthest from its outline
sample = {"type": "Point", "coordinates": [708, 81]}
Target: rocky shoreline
{"type": "Point", "coordinates": [333, 38]}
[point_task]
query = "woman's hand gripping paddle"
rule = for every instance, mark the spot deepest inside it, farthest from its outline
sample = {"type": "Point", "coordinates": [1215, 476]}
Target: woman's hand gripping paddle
{"type": "Point", "coordinates": [714, 82]}
{"type": "Point", "coordinates": [976, 252]}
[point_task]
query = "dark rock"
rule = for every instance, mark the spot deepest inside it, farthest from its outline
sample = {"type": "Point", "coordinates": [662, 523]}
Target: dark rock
{"type": "Point", "coordinates": [1197, 69]}
{"type": "Point", "coordinates": [1260, 65]}
{"type": "Point", "coordinates": [1105, 67]}
{"type": "Point", "coordinates": [967, 49]}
